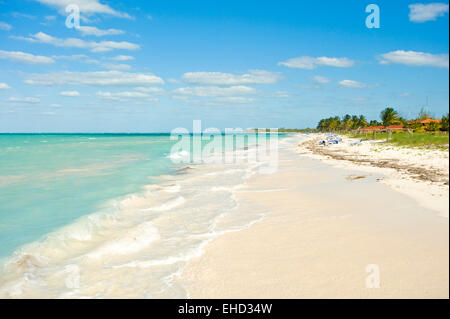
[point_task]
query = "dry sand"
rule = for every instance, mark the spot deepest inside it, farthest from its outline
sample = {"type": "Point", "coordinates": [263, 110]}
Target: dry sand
{"type": "Point", "coordinates": [325, 226]}
{"type": "Point", "coordinates": [422, 174]}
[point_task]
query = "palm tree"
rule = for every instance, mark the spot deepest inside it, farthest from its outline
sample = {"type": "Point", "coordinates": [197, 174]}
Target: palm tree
{"type": "Point", "coordinates": [355, 121]}
{"type": "Point", "coordinates": [389, 116]}
{"type": "Point", "coordinates": [374, 123]}
{"type": "Point", "coordinates": [346, 122]}
{"type": "Point", "coordinates": [362, 121]}
{"type": "Point", "coordinates": [334, 123]}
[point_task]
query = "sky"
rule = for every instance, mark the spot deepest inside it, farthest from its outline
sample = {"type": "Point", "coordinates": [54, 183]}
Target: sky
{"type": "Point", "coordinates": [153, 66]}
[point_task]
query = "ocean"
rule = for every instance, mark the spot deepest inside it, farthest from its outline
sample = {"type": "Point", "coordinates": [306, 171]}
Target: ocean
{"type": "Point", "coordinates": [111, 215]}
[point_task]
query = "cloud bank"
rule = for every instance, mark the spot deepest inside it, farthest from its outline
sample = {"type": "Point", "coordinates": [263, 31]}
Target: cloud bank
{"type": "Point", "coordinates": [100, 78]}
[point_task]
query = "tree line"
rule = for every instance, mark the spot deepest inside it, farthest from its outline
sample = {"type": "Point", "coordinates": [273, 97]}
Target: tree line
{"type": "Point", "coordinates": [389, 116]}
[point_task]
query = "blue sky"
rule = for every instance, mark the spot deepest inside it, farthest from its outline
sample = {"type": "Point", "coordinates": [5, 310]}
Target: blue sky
{"type": "Point", "coordinates": [148, 66]}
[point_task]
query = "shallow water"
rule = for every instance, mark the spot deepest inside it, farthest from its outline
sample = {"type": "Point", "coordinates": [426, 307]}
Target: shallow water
{"type": "Point", "coordinates": [47, 181]}
{"type": "Point", "coordinates": [105, 216]}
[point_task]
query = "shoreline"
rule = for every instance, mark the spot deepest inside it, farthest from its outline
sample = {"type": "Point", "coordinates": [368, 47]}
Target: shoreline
{"type": "Point", "coordinates": [282, 235]}
{"type": "Point", "coordinates": [148, 235]}
{"type": "Point", "coordinates": [323, 229]}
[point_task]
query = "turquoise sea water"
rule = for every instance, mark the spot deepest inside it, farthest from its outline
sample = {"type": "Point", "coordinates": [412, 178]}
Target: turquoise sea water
{"type": "Point", "coordinates": [112, 215]}
{"type": "Point", "coordinates": [47, 181]}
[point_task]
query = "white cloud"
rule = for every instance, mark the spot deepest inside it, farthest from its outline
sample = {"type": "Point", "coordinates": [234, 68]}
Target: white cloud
{"type": "Point", "coordinates": [94, 46]}
{"type": "Point", "coordinates": [427, 12]}
{"type": "Point", "coordinates": [278, 94]}
{"type": "Point", "coordinates": [70, 93]}
{"type": "Point", "coordinates": [48, 20]}
{"type": "Point", "coordinates": [86, 59]}
{"type": "Point", "coordinates": [86, 6]}
{"type": "Point", "coordinates": [236, 99]}
{"type": "Point", "coordinates": [115, 66]}
{"type": "Point", "coordinates": [217, 95]}
{"type": "Point", "coordinates": [122, 58]}
{"type": "Point", "coordinates": [320, 79]}
{"type": "Point", "coordinates": [22, 15]}
{"type": "Point", "coordinates": [219, 78]}
{"type": "Point", "coordinates": [23, 57]}
{"type": "Point", "coordinates": [55, 105]}
{"type": "Point", "coordinates": [100, 78]}
{"type": "Point", "coordinates": [86, 30]}
{"type": "Point", "coordinates": [307, 62]}
{"type": "Point", "coordinates": [31, 100]}
{"type": "Point", "coordinates": [216, 101]}
{"type": "Point", "coordinates": [352, 84]}
{"type": "Point", "coordinates": [4, 86]}
{"type": "Point", "coordinates": [154, 90]}
{"type": "Point", "coordinates": [413, 58]}
{"type": "Point", "coordinates": [70, 57]}
{"type": "Point", "coordinates": [122, 96]}
{"type": "Point", "coordinates": [5, 26]}
{"type": "Point", "coordinates": [205, 91]}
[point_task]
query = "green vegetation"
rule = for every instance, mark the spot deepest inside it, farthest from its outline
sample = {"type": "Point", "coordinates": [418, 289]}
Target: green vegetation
{"type": "Point", "coordinates": [389, 116]}
{"type": "Point", "coordinates": [429, 135]}
{"type": "Point", "coordinates": [444, 123]}
{"type": "Point", "coordinates": [439, 140]}
{"type": "Point", "coordinates": [347, 123]}
{"type": "Point", "coordinates": [425, 134]}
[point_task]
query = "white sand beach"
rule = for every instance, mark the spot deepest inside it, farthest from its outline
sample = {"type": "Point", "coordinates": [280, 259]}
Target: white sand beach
{"type": "Point", "coordinates": [329, 222]}
{"type": "Point", "coordinates": [422, 174]}
{"type": "Point", "coordinates": [224, 150]}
